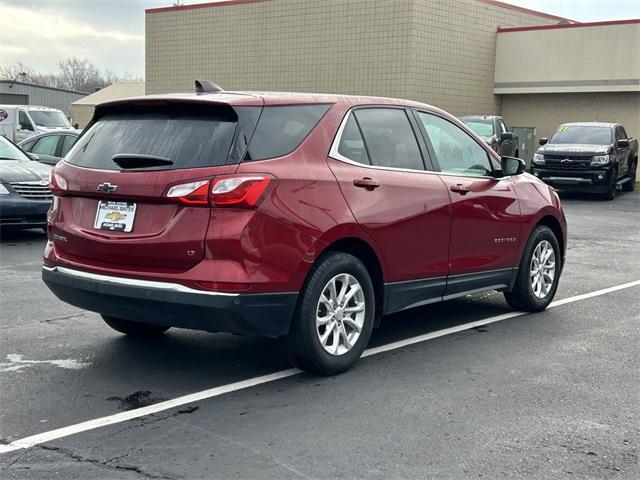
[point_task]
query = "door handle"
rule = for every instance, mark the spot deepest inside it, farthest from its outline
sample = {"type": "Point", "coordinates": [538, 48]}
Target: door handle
{"type": "Point", "coordinates": [366, 183]}
{"type": "Point", "coordinates": [461, 189]}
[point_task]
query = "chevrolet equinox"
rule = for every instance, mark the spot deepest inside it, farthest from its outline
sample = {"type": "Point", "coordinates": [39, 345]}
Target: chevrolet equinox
{"type": "Point", "coordinates": [300, 216]}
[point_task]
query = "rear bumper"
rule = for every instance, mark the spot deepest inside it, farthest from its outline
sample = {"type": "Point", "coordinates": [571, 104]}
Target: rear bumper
{"type": "Point", "coordinates": [578, 180]}
{"type": "Point", "coordinates": [173, 304]}
{"type": "Point", "coordinates": [19, 212]}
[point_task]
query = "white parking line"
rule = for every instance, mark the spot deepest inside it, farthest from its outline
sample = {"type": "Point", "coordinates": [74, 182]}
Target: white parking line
{"type": "Point", "coordinates": [40, 438]}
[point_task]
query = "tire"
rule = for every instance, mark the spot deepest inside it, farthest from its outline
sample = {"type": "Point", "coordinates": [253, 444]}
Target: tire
{"type": "Point", "coordinates": [630, 186]}
{"type": "Point", "coordinates": [516, 154]}
{"type": "Point", "coordinates": [610, 194]}
{"type": "Point", "coordinates": [314, 318]}
{"type": "Point", "coordinates": [134, 329]}
{"type": "Point", "coordinates": [523, 296]}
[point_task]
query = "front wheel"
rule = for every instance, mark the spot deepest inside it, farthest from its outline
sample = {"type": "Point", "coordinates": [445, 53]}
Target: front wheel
{"type": "Point", "coordinates": [610, 194]}
{"type": "Point", "coordinates": [134, 329]}
{"type": "Point", "coordinates": [334, 318]}
{"type": "Point", "coordinates": [538, 274]}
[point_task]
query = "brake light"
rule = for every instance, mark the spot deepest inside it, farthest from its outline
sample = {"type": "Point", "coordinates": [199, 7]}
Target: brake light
{"type": "Point", "coordinates": [240, 191]}
{"type": "Point", "coordinates": [236, 191]}
{"type": "Point", "coordinates": [192, 193]}
{"type": "Point", "coordinates": [57, 184]}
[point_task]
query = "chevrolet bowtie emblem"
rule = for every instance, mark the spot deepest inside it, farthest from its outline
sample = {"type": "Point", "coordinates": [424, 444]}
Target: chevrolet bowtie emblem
{"type": "Point", "coordinates": [115, 216]}
{"type": "Point", "coordinates": [107, 187]}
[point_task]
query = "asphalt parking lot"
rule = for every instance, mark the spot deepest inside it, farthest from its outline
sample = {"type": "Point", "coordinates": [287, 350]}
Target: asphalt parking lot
{"type": "Point", "coordinates": [550, 395]}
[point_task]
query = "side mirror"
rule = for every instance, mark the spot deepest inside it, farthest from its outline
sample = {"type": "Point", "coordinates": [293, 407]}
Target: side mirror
{"type": "Point", "coordinates": [33, 156]}
{"type": "Point", "coordinates": [543, 141]}
{"type": "Point", "coordinates": [506, 136]}
{"type": "Point", "coordinates": [512, 166]}
{"type": "Point", "coordinates": [75, 125]}
{"type": "Point", "coordinates": [622, 143]}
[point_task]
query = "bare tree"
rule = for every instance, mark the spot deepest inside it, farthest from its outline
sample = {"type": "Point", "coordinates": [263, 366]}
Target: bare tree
{"type": "Point", "coordinates": [18, 72]}
{"type": "Point", "coordinates": [74, 74]}
{"type": "Point", "coordinates": [80, 74]}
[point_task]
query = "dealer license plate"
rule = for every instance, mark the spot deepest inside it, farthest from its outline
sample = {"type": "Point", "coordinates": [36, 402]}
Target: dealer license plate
{"type": "Point", "coordinates": [115, 216]}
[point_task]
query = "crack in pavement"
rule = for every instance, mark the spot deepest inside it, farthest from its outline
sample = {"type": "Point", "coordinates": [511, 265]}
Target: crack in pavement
{"type": "Point", "coordinates": [108, 463]}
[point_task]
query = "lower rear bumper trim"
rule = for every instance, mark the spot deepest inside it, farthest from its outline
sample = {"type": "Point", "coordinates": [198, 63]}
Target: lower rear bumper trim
{"type": "Point", "coordinates": [173, 305]}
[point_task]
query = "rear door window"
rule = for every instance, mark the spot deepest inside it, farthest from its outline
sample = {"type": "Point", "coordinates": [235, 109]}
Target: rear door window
{"type": "Point", "coordinates": [389, 138]}
{"type": "Point", "coordinates": [189, 137]}
{"type": "Point", "coordinates": [351, 144]}
{"type": "Point", "coordinates": [281, 129]}
{"type": "Point", "coordinates": [67, 143]}
{"type": "Point", "coordinates": [46, 145]}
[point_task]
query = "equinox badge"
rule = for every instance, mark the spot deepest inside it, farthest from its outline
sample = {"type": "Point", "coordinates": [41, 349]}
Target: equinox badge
{"type": "Point", "coordinates": [107, 187]}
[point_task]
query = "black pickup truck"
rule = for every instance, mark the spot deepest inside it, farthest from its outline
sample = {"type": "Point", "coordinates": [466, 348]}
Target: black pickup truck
{"type": "Point", "coordinates": [493, 130]}
{"type": "Point", "coordinates": [589, 157]}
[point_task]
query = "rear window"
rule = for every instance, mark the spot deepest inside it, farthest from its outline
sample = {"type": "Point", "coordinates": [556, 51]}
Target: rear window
{"type": "Point", "coordinates": [281, 129]}
{"type": "Point", "coordinates": [188, 137]}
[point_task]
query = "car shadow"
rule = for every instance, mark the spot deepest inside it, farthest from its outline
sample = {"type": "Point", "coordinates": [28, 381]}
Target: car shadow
{"type": "Point", "coordinates": [185, 361]}
{"type": "Point", "coordinates": [15, 236]}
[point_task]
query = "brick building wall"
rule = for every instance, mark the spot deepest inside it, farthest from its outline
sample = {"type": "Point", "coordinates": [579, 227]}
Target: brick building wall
{"type": "Point", "coordinates": [436, 51]}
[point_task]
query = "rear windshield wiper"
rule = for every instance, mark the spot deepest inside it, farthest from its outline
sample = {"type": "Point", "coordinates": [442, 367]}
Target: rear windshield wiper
{"type": "Point", "coordinates": [134, 160]}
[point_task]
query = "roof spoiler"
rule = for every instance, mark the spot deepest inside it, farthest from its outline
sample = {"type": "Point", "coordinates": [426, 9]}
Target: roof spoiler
{"type": "Point", "coordinates": [206, 86]}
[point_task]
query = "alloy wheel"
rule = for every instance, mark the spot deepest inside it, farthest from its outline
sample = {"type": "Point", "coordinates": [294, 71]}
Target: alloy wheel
{"type": "Point", "coordinates": [340, 314]}
{"type": "Point", "coordinates": [542, 269]}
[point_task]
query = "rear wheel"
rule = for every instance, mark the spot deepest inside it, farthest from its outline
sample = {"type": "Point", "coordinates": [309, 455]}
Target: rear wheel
{"type": "Point", "coordinates": [630, 185]}
{"type": "Point", "coordinates": [334, 318]}
{"type": "Point", "coordinates": [538, 274]}
{"type": "Point", "coordinates": [134, 329]}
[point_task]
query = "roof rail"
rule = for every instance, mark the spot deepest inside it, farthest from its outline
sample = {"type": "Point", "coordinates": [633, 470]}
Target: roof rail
{"type": "Point", "coordinates": [206, 86]}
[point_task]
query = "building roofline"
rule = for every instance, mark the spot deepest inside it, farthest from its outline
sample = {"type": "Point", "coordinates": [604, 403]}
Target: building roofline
{"type": "Point", "coordinates": [223, 3]}
{"type": "Point", "coordinates": [526, 10]}
{"type": "Point", "coordinates": [219, 3]}
{"type": "Point", "coordinates": [5, 80]}
{"type": "Point", "coordinates": [569, 25]}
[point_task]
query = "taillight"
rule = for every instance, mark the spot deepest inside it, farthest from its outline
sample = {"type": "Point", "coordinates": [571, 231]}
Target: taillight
{"type": "Point", "coordinates": [193, 193]}
{"type": "Point", "coordinates": [57, 184]}
{"type": "Point", "coordinates": [235, 191]}
{"type": "Point", "coordinates": [240, 191]}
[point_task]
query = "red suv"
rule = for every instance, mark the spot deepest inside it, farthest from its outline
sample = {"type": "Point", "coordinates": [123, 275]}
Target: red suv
{"type": "Point", "coordinates": [300, 216]}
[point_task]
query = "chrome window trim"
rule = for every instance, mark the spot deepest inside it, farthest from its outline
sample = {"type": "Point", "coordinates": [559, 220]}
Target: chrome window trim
{"type": "Point", "coordinates": [134, 282]}
{"type": "Point", "coordinates": [333, 152]}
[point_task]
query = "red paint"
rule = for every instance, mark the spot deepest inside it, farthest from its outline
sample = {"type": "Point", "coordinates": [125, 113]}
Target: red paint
{"type": "Point", "coordinates": [569, 25]}
{"type": "Point", "coordinates": [417, 227]}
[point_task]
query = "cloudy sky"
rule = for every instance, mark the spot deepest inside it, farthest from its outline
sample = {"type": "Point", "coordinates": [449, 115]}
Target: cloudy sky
{"type": "Point", "coordinates": [111, 32]}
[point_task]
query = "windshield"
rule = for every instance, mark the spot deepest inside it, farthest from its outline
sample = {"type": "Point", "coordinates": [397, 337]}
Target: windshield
{"type": "Point", "coordinates": [8, 151]}
{"type": "Point", "coordinates": [43, 118]}
{"type": "Point", "coordinates": [479, 127]}
{"type": "Point", "coordinates": [582, 135]}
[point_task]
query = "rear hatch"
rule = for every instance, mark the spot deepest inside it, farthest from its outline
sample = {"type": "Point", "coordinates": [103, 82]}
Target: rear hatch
{"type": "Point", "coordinates": [113, 206]}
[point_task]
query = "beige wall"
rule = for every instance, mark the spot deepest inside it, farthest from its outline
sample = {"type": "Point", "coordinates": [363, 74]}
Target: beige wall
{"type": "Point", "coordinates": [81, 114]}
{"type": "Point", "coordinates": [437, 51]}
{"type": "Point", "coordinates": [547, 111]}
{"type": "Point", "coordinates": [574, 59]}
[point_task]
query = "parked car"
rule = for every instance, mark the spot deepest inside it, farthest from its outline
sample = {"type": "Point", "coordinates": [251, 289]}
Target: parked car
{"type": "Point", "coordinates": [493, 130]}
{"type": "Point", "coordinates": [223, 211]}
{"type": "Point", "coordinates": [50, 147]}
{"type": "Point", "coordinates": [589, 157]}
{"type": "Point", "coordinates": [25, 197]}
{"type": "Point", "coordinates": [19, 122]}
